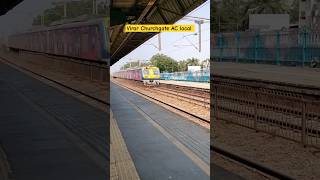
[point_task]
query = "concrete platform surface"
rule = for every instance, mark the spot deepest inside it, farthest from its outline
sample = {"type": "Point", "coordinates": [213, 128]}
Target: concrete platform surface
{"type": "Point", "coordinates": [47, 134]}
{"type": "Point", "coordinates": [157, 139]}
{"type": "Point", "coordinates": [296, 75]}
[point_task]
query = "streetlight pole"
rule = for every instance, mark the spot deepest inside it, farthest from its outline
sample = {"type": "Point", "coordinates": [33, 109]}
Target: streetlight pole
{"type": "Point", "coordinates": [94, 7]}
{"type": "Point", "coordinates": [65, 9]}
{"type": "Point", "coordinates": [42, 19]}
{"type": "Point", "coordinates": [199, 25]}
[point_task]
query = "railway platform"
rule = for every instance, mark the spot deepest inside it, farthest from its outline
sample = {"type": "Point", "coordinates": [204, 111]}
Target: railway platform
{"type": "Point", "coordinates": [187, 83]}
{"type": "Point", "coordinates": [47, 134]}
{"type": "Point", "coordinates": [162, 144]}
{"type": "Point", "coordinates": [294, 75]}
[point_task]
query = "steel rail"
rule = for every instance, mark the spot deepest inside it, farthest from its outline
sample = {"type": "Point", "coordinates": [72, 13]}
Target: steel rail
{"type": "Point", "coordinates": [250, 164]}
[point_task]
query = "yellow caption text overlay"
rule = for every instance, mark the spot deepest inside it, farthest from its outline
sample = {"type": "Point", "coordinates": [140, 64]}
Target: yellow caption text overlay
{"type": "Point", "coordinates": [159, 28]}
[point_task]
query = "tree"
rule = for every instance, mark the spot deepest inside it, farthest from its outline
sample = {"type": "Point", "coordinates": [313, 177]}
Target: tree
{"type": "Point", "coordinates": [182, 65]}
{"type": "Point", "coordinates": [74, 9]}
{"type": "Point", "coordinates": [134, 64]}
{"type": "Point", "coordinates": [205, 63]}
{"type": "Point", "coordinates": [193, 62]}
{"type": "Point", "coordinates": [164, 63]}
{"type": "Point", "coordinates": [233, 15]}
{"type": "Point", "coordinates": [294, 12]}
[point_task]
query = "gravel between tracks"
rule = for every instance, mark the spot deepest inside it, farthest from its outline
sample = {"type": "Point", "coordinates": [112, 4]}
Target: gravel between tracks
{"type": "Point", "coordinates": [277, 153]}
{"type": "Point", "coordinates": [33, 62]}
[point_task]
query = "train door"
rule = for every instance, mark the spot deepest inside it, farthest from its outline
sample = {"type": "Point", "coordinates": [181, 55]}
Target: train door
{"type": "Point", "coordinates": [140, 74]}
{"type": "Point", "coordinates": [84, 44]}
{"type": "Point", "coordinates": [136, 74]}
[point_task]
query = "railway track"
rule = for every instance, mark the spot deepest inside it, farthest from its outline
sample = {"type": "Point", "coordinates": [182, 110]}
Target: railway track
{"type": "Point", "coordinates": [254, 166]}
{"type": "Point", "coordinates": [187, 98]}
{"type": "Point", "coordinates": [197, 95]}
{"type": "Point", "coordinates": [165, 103]}
{"type": "Point", "coordinates": [192, 95]}
{"type": "Point", "coordinates": [93, 139]}
{"type": "Point", "coordinates": [193, 91]}
{"type": "Point", "coordinates": [278, 109]}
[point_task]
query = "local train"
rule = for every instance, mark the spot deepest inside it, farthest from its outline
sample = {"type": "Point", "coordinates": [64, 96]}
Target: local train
{"type": "Point", "coordinates": [85, 40]}
{"type": "Point", "coordinates": [147, 74]}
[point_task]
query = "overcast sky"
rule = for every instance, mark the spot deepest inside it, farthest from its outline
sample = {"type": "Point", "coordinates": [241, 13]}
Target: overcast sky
{"type": "Point", "coordinates": [20, 18]}
{"type": "Point", "coordinates": [174, 44]}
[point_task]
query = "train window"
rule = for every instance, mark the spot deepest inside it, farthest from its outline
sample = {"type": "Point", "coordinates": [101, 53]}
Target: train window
{"type": "Point", "coordinates": [146, 72]}
{"type": "Point", "coordinates": [156, 72]}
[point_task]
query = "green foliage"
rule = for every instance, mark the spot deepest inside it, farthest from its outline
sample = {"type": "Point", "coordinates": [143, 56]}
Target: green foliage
{"type": "Point", "coordinates": [294, 12]}
{"type": "Point", "coordinates": [164, 63]}
{"type": "Point", "coordinates": [74, 9]}
{"type": "Point", "coordinates": [233, 15]}
{"type": "Point", "coordinates": [134, 64]}
{"type": "Point", "coordinates": [182, 65]}
{"type": "Point", "coordinates": [193, 62]}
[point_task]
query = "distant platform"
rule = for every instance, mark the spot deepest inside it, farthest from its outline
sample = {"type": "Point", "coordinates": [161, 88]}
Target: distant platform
{"type": "Point", "coordinates": [296, 75]}
{"type": "Point", "coordinates": [187, 83]}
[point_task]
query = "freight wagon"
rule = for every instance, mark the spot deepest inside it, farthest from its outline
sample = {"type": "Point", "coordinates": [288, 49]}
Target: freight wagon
{"type": "Point", "coordinates": [147, 75]}
{"type": "Point", "coordinates": [85, 40]}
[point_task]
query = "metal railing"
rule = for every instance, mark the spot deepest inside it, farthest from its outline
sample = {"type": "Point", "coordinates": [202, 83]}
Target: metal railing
{"type": "Point", "coordinates": [296, 47]}
{"type": "Point", "coordinates": [281, 109]}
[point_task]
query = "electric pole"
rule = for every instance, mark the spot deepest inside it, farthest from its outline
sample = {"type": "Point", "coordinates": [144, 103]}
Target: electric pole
{"type": "Point", "coordinates": [200, 22]}
{"type": "Point", "coordinates": [159, 41]}
{"type": "Point", "coordinates": [42, 19]}
{"type": "Point", "coordinates": [94, 7]}
{"type": "Point", "coordinates": [65, 9]}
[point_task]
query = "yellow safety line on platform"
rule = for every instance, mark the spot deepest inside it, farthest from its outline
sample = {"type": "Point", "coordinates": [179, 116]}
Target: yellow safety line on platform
{"type": "Point", "coordinates": [121, 164]}
{"type": "Point", "coordinates": [198, 161]}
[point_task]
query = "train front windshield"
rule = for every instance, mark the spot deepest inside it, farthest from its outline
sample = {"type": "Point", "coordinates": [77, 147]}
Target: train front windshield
{"type": "Point", "coordinates": [156, 72]}
{"type": "Point", "coordinates": [146, 72]}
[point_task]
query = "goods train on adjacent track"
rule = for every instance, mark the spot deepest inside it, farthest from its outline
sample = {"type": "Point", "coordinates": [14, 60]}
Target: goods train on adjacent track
{"type": "Point", "coordinates": [147, 75]}
{"type": "Point", "coordinates": [84, 40]}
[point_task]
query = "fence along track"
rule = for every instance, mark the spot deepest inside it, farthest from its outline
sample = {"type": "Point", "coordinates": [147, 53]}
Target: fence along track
{"type": "Point", "coordinates": [296, 47]}
{"type": "Point", "coordinates": [281, 109]}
